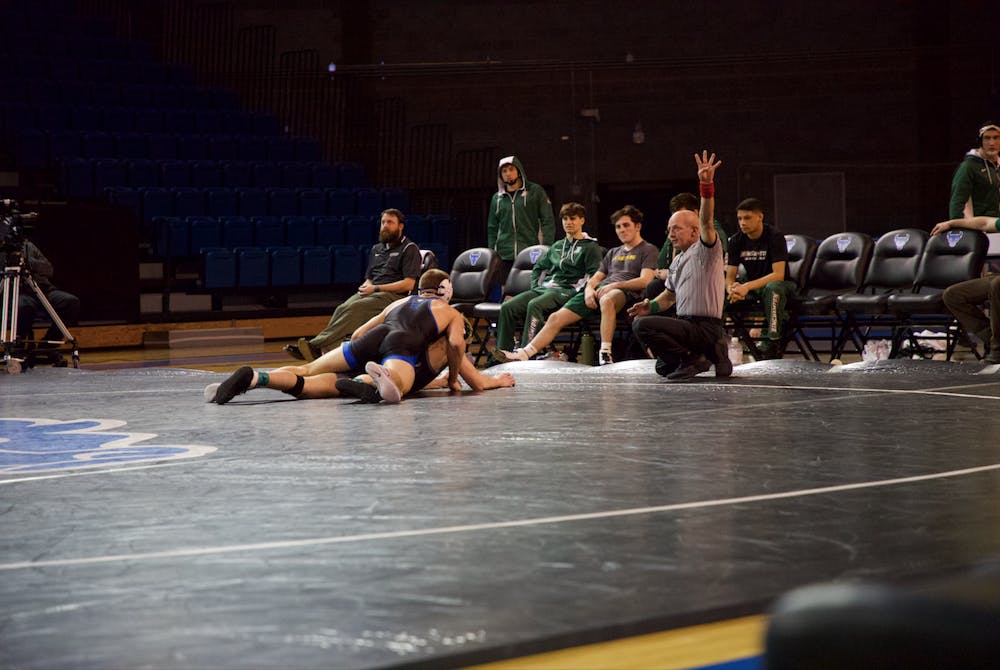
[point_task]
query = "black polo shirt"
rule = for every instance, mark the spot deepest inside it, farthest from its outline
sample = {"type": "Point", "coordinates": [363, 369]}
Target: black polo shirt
{"type": "Point", "coordinates": [391, 263]}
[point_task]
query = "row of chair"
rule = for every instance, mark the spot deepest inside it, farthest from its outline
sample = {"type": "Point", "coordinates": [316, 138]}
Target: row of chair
{"type": "Point", "coordinates": [152, 202]}
{"type": "Point", "coordinates": [37, 149]}
{"type": "Point", "coordinates": [851, 286]}
{"type": "Point", "coordinates": [176, 237]}
{"type": "Point", "coordinates": [170, 110]}
{"type": "Point", "coordinates": [80, 177]}
{"type": "Point", "coordinates": [314, 267]}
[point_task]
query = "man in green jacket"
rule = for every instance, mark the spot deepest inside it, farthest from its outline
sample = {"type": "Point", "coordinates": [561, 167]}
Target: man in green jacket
{"type": "Point", "coordinates": [520, 214]}
{"type": "Point", "coordinates": [975, 188]}
{"type": "Point", "coordinates": [556, 277]}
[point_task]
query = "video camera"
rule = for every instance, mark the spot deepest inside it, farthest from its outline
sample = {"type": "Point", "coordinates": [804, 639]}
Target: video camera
{"type": "Point", "coordinates": [14, 226]}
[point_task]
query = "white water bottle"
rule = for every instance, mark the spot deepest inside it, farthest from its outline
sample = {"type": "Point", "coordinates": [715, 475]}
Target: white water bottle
{"type": "Point", "coordinates": [735, 352]}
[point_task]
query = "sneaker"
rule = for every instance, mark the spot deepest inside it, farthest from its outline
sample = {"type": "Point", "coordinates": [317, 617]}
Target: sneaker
{"type": "Point", "coordinates": [293, 351]}
{"type": "Point", "coordinates": [510, 356]}
{"type": "Point", "coordinates": [237, 384]}
{"type": "Point", "coordinates": [386, 388]}
{"type": "Point", "coordinates": [690, 369]}
{"type": "Point", "coordinates": [307, 351]}
{"type": "Point", "coordinates": [720, 357]}
{"type": "Point", "coordinates": [604, 357]}
{"type": "Point", "coordinates": [355, 388]}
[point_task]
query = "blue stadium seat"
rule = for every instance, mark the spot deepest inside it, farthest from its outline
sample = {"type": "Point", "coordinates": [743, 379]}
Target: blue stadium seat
{"type": "Point", "coordinates": [237, 231]}
{"type": "Point", "coordinates": [189, 201]}
{"type": "Point", "coordinates": [252, 267]}
{"type": "Point", "coordinates": [220, 269]}
{"type": "Point", "coordinates": [108, 94]}
{"type": "Point", "coordinates": [115, 119]}
{"type": "Point", "coordinates": [41, 91]}
{"type": "Point", "coordinates": [175, 173]}
{"type": "Point", "coordinates": [330, 230]}
{"type": "Point", "coordinates": [397, 198]}
{"type": "Point", "coordinates": [296, 174]}
{"type": "Point", "coordinates": [340, 202]}
{"type": "Point", "coordinates": [352, 175]}
{"type": "Point", "coordinates": [208, 121]}
{"type": "Point", "coordinates": [418, 229]}
{"type": "Point", "coordinates": [109, 172]}
{"type": "Point", "coordinates": [205, 174]}
{"type": "Point", "coordinates": [124, 196]}
{"type": "Point", "coordinates": [282, 202]}
{"type": "Point", "coordinates": [204, 231]}
{"type": "Point", "coordinates": [98, 144]}
{"type": "Point", "coordinates": [360, 230]}
{"type": "Point", "coordinates": [147, 119]}
{"type": "Point", "coordinates": [253, 148]}
{"type": "Point", "coordinates": [324, 175]}
{"type": "Point", "coordinates": [264, 174]}
{"type": "Point", "coordinates": [317, 268]}
{"type": "Point", "coordinates": [221, 201]}
{"type": "Point", "coordinates": [369, 201]}
{"type": "Point", "coordinates": [142, 172]}
{"type": "Point", "coordinates": [191, 147]}
{"type": "Point", "coordinates": [236, 173]}
{"type": "Point", "coordinates": [312, 202]}
{"type": "Point", "coordinates": [286, 266]}
{"type": "Point", "coordinates": [156, 201]}
{"type": "Point", "coordinates": [224, 148]}
{"type": "Point", "coordinates": [280, 149]}
{"type": "Point", "coordinates": [53, 116]}
{"type": "Point", "coordinates": [130, 145]}
{"type": "Point", "coordinates": [85, 117]}
{"type": "Point", "coordinates": [441, 252]}
{"type": "Point", "coordinates": [179, 121]}
{"type": "Point", "coordinates": [76, 177]}
{"type": "Point", "coordinates": [252, 201]}
{"type": "Point", "coordinates": [161, 146]}
{"type": "Point", "coordinates": [348, 266]}
{"type": "Point", "coordinates": [268, 231]}
{"type": "Point", "coordinates": [300, 231]}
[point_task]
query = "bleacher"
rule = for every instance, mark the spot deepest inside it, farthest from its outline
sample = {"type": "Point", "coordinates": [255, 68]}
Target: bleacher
{"type": "Point", "coordinates": [216, 190]}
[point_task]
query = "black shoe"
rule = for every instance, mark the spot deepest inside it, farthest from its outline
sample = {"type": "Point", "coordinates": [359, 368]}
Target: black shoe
{"type": "Point", "coordinates": [307, 350]}
{"type": "Point", "coordinates": [992, 358]}
{"type": "Point", "coordinates": [238, 383]}
{"type": "Point", "coordinates": [293, 351]}
{"type": "Point", "coordinates": [690, 369]}
{"type": "Point", "coordinates": [352, 388]}
{"type": "Point", "coordinates": [663, 368]}
{"type": "Point", "coordinates": [720, 357]}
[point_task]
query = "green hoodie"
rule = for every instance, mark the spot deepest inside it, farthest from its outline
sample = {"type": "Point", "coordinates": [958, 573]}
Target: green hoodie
{"type": "Point", "coordinates": [520, 219]}
{"type": "Point", "coordinates": [567, 264]}
{"type": "Point", "coordinates": [979, 179]}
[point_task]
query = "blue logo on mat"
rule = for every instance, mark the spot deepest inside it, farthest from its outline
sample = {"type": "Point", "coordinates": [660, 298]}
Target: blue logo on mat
{"type": "Point", "coordinates": [43, 445]}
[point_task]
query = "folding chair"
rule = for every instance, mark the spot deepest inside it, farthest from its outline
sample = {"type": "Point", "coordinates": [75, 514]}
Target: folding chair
{"type": "Point", "coordinates": [841, 264]}
{"type": "Point", "coordinates": [949, 258]}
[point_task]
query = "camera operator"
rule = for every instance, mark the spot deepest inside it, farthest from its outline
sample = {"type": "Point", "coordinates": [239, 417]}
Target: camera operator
{"type": "Point", "coordinates": [65, 304]}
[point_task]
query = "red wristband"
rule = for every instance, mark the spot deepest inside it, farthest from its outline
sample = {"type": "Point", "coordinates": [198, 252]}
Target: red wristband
{"type": "Point", "coordinates": [707, 190]}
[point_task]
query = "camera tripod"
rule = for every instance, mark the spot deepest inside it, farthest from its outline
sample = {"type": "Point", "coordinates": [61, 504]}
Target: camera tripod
{"type": "Point", "coordinates": [11, 282]}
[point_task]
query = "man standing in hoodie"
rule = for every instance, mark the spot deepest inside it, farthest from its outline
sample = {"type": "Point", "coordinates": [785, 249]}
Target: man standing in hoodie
{"type": "Point", "coordinates": [520, 214]}
{"type": "Point", "coordinates": [975, 189]}
{"type": "Point", "coordinates": [566, 267]}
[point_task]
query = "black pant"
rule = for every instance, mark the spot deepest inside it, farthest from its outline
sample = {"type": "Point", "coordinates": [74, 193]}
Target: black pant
{"type": "Point", "coordinates": [66, 305]}
{"type": "Point", "coordinates": [679, 340]}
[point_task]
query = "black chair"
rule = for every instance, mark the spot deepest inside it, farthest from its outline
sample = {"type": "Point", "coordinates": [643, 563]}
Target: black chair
{"type": "Point", "coordinates": [840, 267]}
{"type": "Point", "coordinates": [948, 258]}
{"type": "Point", "coordinates": [893, 269]}
{"type": "Point", "coordinates": [428, 260]}
{"type": "Point", "coordinates": [741, 317]}
{"type": "Point", "coordinates": [518, 280]}
{"type": "Point", "coordinates": [473, 275]}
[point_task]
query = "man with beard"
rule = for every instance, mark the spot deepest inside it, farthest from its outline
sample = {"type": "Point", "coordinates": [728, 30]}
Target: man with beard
{"type": "Point", "coordinates": [393, 269]}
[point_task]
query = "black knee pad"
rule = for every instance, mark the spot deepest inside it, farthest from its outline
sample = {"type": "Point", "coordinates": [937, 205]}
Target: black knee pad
{"type": "Point", "coordinates": [296, 390]}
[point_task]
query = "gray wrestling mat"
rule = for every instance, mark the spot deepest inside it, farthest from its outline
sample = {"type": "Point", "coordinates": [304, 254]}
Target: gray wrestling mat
{"type": "Point", "coordinates": [141, 527]}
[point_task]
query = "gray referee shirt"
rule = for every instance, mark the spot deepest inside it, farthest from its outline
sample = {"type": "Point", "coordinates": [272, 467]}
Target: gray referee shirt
{"type": "Point", "coordinates": [697, 280]}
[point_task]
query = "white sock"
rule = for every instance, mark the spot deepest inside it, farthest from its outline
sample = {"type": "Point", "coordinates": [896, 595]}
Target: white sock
{"type": "Point", "coordinates": [605, 346]}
